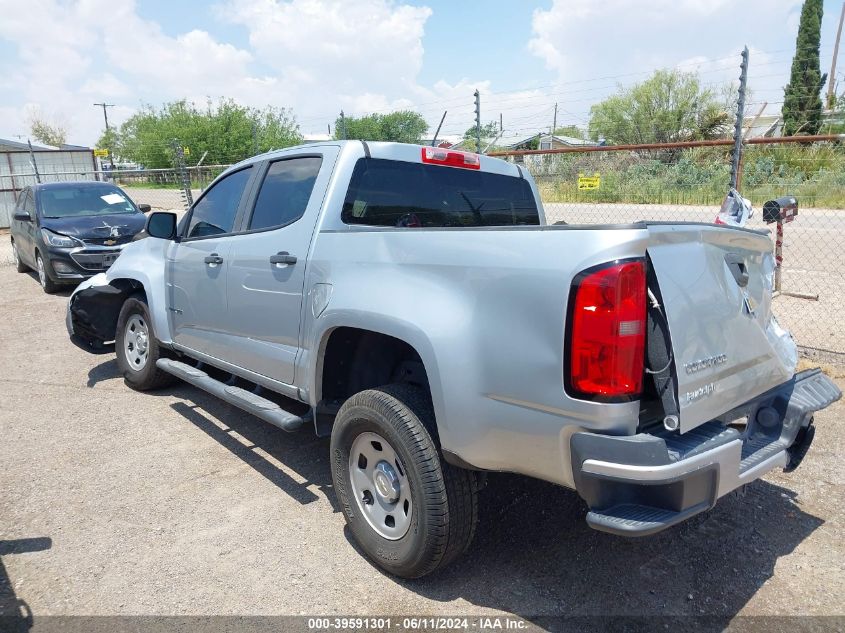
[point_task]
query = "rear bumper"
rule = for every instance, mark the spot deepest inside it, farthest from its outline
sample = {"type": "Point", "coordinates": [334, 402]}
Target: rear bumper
{"type": "Point", "coordinates": [638, 485]}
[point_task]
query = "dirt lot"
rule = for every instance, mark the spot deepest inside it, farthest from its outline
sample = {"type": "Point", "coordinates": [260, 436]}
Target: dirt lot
{"type": "Point", "coordinates": [114, 502]}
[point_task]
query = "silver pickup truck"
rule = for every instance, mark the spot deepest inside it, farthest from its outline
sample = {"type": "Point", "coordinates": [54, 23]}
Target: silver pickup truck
{"type": "Point", "coordinates": [413, 304]}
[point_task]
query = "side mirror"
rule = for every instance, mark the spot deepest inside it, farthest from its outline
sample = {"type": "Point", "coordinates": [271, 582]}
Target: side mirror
{"type": "Point", "coordinates": [144, 208]}
{"type": "Point", "coordinates": [161, 224]}
{"type": "Point", "coordinates": [22, 216]}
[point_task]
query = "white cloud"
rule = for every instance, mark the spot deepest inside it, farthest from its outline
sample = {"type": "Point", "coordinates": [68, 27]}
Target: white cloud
{"type": "Point", "coordinates": [593, 47]}
{"type": "Point", "coordinates": [321, 56]}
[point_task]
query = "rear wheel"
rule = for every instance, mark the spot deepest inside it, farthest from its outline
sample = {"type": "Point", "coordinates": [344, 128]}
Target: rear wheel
{"type": "Point", "coordinates": [48, 285]}
{"type": "Point", "coordinates": [19, 265]}
{"type": "Point", "coordinates": [409, 511]}
{"type": "Point", "coordinates": [137, 348]}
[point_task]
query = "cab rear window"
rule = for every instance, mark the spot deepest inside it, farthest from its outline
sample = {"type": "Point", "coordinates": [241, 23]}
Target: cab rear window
{"type": "Point", "coordinates": [401, 194]}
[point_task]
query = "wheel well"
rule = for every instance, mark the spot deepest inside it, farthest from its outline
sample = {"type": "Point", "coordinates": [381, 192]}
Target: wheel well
{"type": "Point", "coordinates": [356, 359]}
{"type": "Point", "coordinates": [129, 287]}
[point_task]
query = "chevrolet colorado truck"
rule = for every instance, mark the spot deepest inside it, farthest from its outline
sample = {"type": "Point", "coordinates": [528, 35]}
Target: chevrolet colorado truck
{"type": "Point", "coordinates": [412, 303]}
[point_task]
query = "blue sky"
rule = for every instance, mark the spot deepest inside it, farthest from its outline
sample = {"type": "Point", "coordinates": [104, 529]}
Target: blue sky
{"type": "Point", "coordinates": [320, 56]}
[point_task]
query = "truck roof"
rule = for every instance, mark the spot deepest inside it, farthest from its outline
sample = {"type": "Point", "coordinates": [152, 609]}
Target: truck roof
{"type": "Point", "coordinates": [408, 152]}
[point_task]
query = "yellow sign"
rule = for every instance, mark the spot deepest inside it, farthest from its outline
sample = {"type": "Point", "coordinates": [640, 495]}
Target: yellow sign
{"type": "Point", "coordinates": [102, 153]}
{"type": "Point", "coordinates": [588, 183]}
{"type": "Point", "coordinates": [186, 151]}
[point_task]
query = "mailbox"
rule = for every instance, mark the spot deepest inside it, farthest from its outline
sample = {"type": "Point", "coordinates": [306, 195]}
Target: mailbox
{"type": "Point", "coordinates": [783, 209]}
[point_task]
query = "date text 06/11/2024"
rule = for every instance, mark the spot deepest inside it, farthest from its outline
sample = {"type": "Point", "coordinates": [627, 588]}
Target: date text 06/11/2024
{"type": "Point", "coordinates": [493, 623]}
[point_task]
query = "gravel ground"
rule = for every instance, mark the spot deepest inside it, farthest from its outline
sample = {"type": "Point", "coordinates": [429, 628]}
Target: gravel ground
{"type": "Point", "coordinates": [114, 502]}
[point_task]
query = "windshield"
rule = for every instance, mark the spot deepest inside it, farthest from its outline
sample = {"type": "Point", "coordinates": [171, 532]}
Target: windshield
{"type": "Point", "coordinates": [395, 193]}
{"type": "Point", "coordinates": [75, 201]}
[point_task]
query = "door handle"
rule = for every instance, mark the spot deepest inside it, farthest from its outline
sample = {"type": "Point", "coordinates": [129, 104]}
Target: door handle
{"type": "Point", "coordinates": [282, 258]}
{"type": "Point", "coordinates": [213, 260]}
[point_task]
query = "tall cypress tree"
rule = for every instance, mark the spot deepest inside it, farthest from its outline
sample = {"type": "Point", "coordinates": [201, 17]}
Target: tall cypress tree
{"type": "Point", "coordinates": [802, 103]}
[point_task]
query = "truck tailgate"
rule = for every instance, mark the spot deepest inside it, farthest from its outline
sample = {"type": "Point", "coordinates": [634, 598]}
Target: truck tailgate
{"type": "Point", "coordinates": [716, 287]}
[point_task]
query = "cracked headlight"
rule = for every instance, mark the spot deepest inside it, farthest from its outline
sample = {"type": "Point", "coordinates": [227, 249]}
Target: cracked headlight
{"type": "Point", "coordinates": [61, 241]}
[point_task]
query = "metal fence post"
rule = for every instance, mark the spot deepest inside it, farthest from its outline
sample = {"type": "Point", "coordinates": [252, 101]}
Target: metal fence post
{"type": "Point", "coordinates": [736, 159]}
{"type": "Point", "coordinates": [179, 154]}
{"type": "Point", "coordinates": [477, 122]}
{"type": "Point", "coordinates": [34, 164]}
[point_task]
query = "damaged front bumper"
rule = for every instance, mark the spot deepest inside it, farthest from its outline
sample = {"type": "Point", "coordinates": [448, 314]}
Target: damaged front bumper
{"type": "Point", "coordinates": [92, 312]}
{"type": "Point", "coordinates": [641, 484]}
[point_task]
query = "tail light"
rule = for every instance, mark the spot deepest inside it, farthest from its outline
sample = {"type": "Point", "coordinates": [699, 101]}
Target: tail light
{"type": "Point", "coordinates": [607, 332]}
{"type": "Point", "coordinates": [450, 158]}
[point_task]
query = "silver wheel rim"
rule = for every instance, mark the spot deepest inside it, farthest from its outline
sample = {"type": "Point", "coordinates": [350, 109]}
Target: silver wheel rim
{"type": "Point", "coordinates": [380, 485]}
{"type": "Point", "coordinates": [42, 275]}
{"type": "Point", "coordinates": [136, 342]}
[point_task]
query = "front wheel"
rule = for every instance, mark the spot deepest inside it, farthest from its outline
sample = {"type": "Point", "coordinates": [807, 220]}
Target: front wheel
{"type": "Point", "coordinates": [409, 511]}
{"type": "Point", "coordinates": [137, 348]}
{"type": "Point", "coordinates": [47, 285]}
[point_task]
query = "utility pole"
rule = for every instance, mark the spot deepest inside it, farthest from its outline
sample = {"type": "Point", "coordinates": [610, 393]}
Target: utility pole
{"type": "Point", "coordinates": [342, 125]}
{"type": "Point", "coordinates": [105, 105]}
{"type": "Point", "coordinates": [831, 78]}
{"type": "Point", "coordinates": [477, 122]}
{"type": "Point", "coordinates": [554, 124]}
{"type": "Point", "coordinates": [440, 125]}
{"type": "Point", "coordinates": [501, 127]}
{"type": "Point", "coordinates": [736, 159]}
{"type": "Point", "coordinates": [254, 139]}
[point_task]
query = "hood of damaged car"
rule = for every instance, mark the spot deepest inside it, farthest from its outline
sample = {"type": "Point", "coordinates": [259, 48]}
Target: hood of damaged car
{"type": "Point", "coordinates": [99, 228]}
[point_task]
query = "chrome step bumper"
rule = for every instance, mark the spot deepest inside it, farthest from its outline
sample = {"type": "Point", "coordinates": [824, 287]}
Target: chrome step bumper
{"type": "Point", "coordinates": [642, 484]}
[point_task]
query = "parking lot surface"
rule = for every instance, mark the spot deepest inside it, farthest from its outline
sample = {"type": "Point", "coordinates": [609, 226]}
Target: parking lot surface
{"type": "Point", "coordinates": [116, 502]}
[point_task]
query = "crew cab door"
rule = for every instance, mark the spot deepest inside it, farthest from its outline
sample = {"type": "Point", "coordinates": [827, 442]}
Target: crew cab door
{"type": "Point", "coordinates": [199, 264]}
{"type": "Point", "coordinates": [267, 261]}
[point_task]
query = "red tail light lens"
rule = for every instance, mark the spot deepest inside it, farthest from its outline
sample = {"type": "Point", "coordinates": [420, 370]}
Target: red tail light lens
{"type": "Point", "coordinates": [450, 158]}
{"type": "Point", "coordinates": [607, 333]}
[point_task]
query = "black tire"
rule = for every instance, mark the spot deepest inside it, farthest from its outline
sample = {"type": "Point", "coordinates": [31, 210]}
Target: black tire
{"type": "Point", "coordinates": [19, 265]}
{"type": "Point", "coordinates": [148, 376]}
{"type": "Point", "coordinates": [444, 498]}
{"type": "Point", "coordinates": [47, 285]}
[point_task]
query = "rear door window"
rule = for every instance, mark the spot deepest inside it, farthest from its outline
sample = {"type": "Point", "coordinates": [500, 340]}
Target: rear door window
{"type": "Point", "coordinates": [402, 194]}
{"type": "Point", "coordinates": [285, 192]}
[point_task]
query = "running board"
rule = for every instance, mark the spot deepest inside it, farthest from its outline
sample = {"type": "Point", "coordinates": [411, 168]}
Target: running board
{"type": "Point", "coordinates": [250, 402]}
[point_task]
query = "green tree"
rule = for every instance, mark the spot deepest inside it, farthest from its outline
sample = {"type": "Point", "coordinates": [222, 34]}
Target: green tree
{"type": "Point", "coordinates": [489, 132]}
{"type": "Point", "coordinates": [224, 131]}
{"type": "Point", "coordinates": [572, 131]}
{"type": "Point", "coordinates": [802, 103]}
{"type": "Point", "coordinates": [45, 132]}
{"type": "Point", "coordinates": [403, 126]}
{"type": "Point", "coordinates": [669, 106]}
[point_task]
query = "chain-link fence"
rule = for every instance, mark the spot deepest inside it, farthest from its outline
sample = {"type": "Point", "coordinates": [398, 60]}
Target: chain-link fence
{"type": "Point", "coordinates": [610, 185]}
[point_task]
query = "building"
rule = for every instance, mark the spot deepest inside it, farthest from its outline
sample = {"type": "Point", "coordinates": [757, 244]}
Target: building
{"type": "Point", "coordinates": [68, 162]}
{"type": "Point", "coordinates": [545, 141]}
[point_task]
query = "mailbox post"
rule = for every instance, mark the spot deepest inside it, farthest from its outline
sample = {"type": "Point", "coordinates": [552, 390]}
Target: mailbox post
{"type": "Point", "coordinates": [781, 211]}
